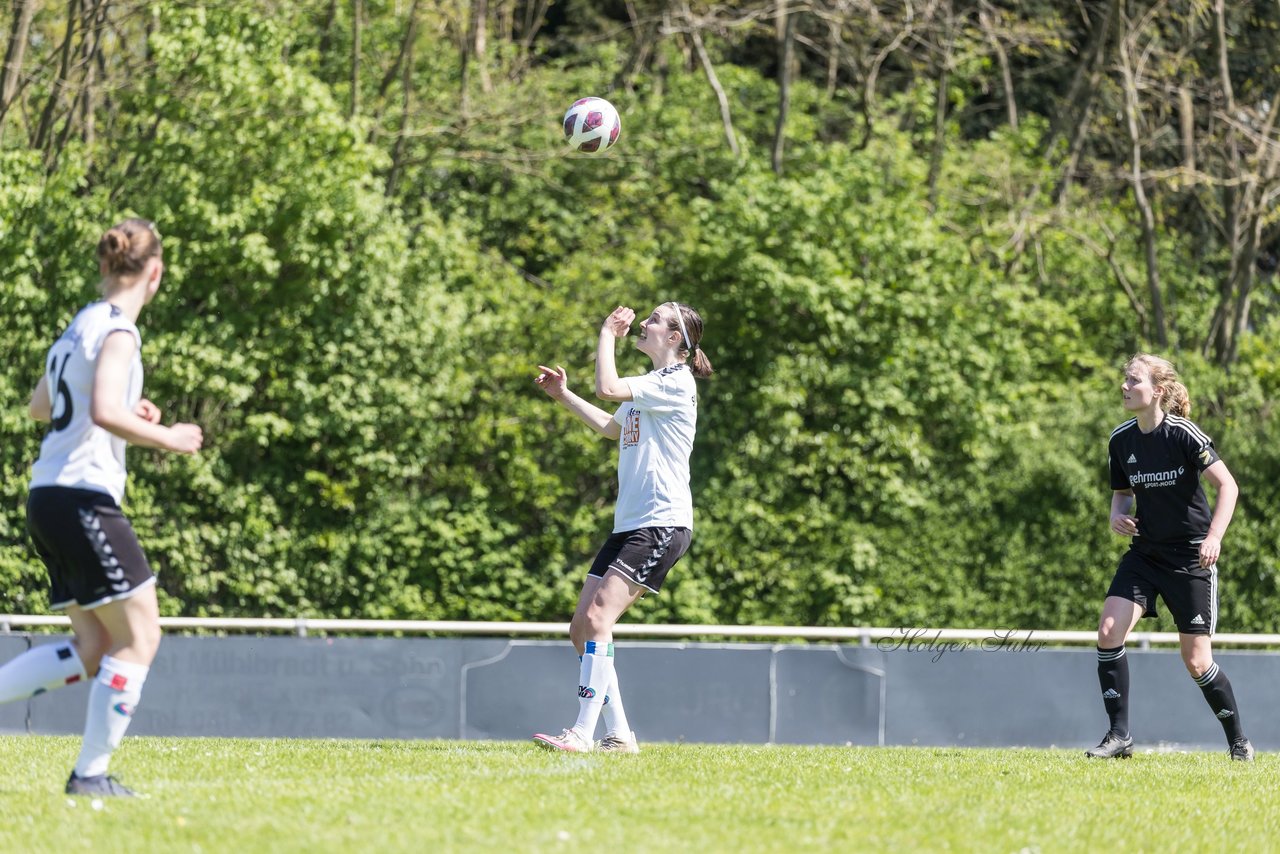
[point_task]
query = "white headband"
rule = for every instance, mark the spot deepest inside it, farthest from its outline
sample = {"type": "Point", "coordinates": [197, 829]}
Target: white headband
{"type": "Point", "coordinates": [688, 345]}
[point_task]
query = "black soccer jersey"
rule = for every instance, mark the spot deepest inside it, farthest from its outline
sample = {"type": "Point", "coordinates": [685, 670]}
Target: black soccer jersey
{"type": "Point", "coordinates": [1163, 470]}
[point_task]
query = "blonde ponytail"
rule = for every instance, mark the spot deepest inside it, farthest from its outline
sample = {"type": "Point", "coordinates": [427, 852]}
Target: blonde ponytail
{"type": "Point", "coordinates": [1175, 400]}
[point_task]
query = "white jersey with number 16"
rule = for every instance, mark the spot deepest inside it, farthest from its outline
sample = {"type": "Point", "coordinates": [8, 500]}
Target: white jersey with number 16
{"type": "Point", "coordinates": [76, 452]}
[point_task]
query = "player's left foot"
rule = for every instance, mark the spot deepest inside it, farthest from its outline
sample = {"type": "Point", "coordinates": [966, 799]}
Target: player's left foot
{"type": "Point", "coordinates": [570, 741]}
{"type": "Point", "coordinates": [1242, 750]}
{"type": "Point", "coordinates": [619, 743]}
{"type": "Point", "coordinates": [1112, 747]}
{"type": "Point", "coordinates": [101, 786]}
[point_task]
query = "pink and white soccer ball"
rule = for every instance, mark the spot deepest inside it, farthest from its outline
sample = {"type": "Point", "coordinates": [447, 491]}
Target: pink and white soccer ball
{"type": "Point", "coordinates": [591, 125]}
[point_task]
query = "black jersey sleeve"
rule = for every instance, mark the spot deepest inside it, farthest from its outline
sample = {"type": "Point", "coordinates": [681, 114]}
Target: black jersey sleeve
{"type": "Point", "coordinates": [1119, 479]}
{"type": "Point", "coordinates": [1197, 444]}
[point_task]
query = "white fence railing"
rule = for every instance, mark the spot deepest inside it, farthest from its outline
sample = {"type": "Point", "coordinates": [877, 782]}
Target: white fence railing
{"type": "Point", "coordinates": [863, 635]}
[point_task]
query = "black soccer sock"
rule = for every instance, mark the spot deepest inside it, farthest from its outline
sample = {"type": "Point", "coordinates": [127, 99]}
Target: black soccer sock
{"type": "Point", "coordinates": [1113, 676]}
{"type": "Point", "coordinates": [1217, 691]}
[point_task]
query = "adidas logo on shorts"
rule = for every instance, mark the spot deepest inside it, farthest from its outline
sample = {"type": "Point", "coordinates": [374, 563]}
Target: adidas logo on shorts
{"type": "Point", "coordinates": [1111, 694]}
{"type": "Point", "coordinates": [1197, 620]}
{"type": "Point", "coordinates": [1225, 713]}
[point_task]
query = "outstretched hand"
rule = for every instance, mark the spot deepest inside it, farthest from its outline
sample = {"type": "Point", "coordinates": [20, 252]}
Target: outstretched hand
{"type": "Point", "coordinates": [619, 322]}
{"type": "Point", "coordinates": [554, 381]}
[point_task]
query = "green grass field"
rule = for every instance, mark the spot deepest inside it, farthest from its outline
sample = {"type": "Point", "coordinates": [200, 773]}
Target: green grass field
{"type": "Point", "coordinates": [241, 795]}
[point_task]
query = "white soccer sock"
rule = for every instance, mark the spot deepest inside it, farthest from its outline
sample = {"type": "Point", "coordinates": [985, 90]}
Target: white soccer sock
{"type": "Point", "coordinates": [615, 717]}
{"type": "Point", "coordinates": [39, 669]}
{"type": "Point", "coordinates": [112, 701]}
{"type": "Point", "coordinates": [594, 677]}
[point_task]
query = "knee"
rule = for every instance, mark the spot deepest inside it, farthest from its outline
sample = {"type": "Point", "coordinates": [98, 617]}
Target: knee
{"type": "Point", "coordinates": [150, 641]}
{"type": "Point", "coordinates": [144, 644]}
{"type": "Point", "coordinates": [596, 624]}
{"type": "Point", "coordinates": [91, 649]}
{"type": "Point", "coordinates": [1198, 664]}
{"type": "Point", "coordinates": [1110, 633]}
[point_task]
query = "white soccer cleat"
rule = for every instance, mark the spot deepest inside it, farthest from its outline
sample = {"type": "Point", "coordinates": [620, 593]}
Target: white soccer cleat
{"type": "Point", "coordinates": [570, 741]}
{"type": "Point", "coordinates": [619, 743]}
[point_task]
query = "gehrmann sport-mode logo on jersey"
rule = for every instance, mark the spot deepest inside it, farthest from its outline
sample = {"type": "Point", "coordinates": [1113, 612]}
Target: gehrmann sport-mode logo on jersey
{"type": "Point", "coordinates": [1154, 479]}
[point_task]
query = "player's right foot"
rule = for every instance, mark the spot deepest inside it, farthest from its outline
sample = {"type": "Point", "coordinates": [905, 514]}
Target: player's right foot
{"type": "Point", "coordinates": [1112, 747]}
{"type": "Point", "coordinates": [619, 743]}
{"type": "Point", "coordinates": [570, 741]}
{"type": "Point", "coordinates": [101, 786]}
{"type": "Point", "coordinates": [1242, 750]}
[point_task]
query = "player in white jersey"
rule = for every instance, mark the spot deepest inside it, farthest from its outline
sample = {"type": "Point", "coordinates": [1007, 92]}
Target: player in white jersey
{"type": "Point", "coordinates": [91, 396]}
{"type": "Point", "coordinates": [653, 519]}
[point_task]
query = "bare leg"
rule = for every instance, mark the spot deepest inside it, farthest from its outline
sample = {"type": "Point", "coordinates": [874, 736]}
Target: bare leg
{"type": "Point", "coordinates": [134, 628]}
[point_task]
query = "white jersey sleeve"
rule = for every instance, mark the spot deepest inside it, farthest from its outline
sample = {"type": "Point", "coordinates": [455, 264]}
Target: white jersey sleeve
{"type": "Point", "coordinates": [76, 452]}
{"type": "Point", "coordinates": [660, 391]}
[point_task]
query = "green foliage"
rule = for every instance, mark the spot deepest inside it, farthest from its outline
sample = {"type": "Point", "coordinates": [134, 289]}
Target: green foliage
{"type": "Point", "coordinates": [907, 425]}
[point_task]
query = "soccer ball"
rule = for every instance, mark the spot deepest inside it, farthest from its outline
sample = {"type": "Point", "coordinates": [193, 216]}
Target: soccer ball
{"type": "Point", "coordinates": [591, 125]}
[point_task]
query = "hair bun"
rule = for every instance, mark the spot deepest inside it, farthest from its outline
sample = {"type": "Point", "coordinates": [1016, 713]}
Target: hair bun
{"type": "Point", "coordinates": [125, 248]}
{"type": "Point", "coordinates": [114, 245]}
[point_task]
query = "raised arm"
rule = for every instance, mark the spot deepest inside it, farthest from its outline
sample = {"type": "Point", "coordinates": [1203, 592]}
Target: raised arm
{"type": "Point", "coordinates": [555, 382]}
{"type": "Point", "coordinates": [609, 386]}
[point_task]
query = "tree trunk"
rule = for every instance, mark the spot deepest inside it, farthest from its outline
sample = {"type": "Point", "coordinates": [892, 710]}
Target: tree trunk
{"type": "Point", "coordinates": [326, 32]}
{"type": "Point", "coordinates": [1002, 58]}
{"type": "Point", "coordinates": [940, 103]}
{"type": "Point", "coordinates": [535, 17]}
{"type": "Point", "coordinates": [11, 72]}
{"type": "Point", "coordinates": [480, 41]}
{"type": "Point", "coordinates": [93, 60]}
{"type": "Point", "coordinates": [708, 69]}
{"type": "Point", "coordinates": [1078, 137]}
{"type": "Point", "coordinates": [45, 129]}
{"type": "Point", "coordinates": [1253, 209]}
{"type": "Point", "coordinates": [356, 7]}
{"type": "Point", "coordinates": [1221, 327]}
{"type": "Point", "coordinates": [404, 59]}
{"type": "Point", "coordinates": [786, 58]}
{"type": "Point", "coordinates": [91, 26]}
{"type": "Point", "coordinates": [406, 102]}
{"type": "Point", "coordinates": [661, 64]}
{"type": "Point", "coordinates": [1147, 214]}
{"type": "Point", "coordinates": [835, 47]}
{"type": "Point", "coordinates": [1084, 84]}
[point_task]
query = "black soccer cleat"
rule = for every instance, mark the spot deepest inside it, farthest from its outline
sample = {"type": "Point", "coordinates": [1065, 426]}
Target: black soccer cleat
{"type": "Point", "coordinates": [101, 786]}
{"type": "Point", "coordinates": [1242, 750]}
{"type": "Point", "coordinates": [1112, 747]}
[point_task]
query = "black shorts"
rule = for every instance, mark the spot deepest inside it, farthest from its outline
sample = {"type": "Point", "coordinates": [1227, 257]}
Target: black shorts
{"type": "Point", "coordinates": [1189, 591]}
{"type": "Point", "coordinates": [88, 546]}
{"type": "Point", "coordinates": [644, 555]}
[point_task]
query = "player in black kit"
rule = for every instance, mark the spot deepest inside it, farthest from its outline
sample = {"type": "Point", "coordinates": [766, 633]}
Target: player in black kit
{"type": "Point", "coordinates": [1158, 458]}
